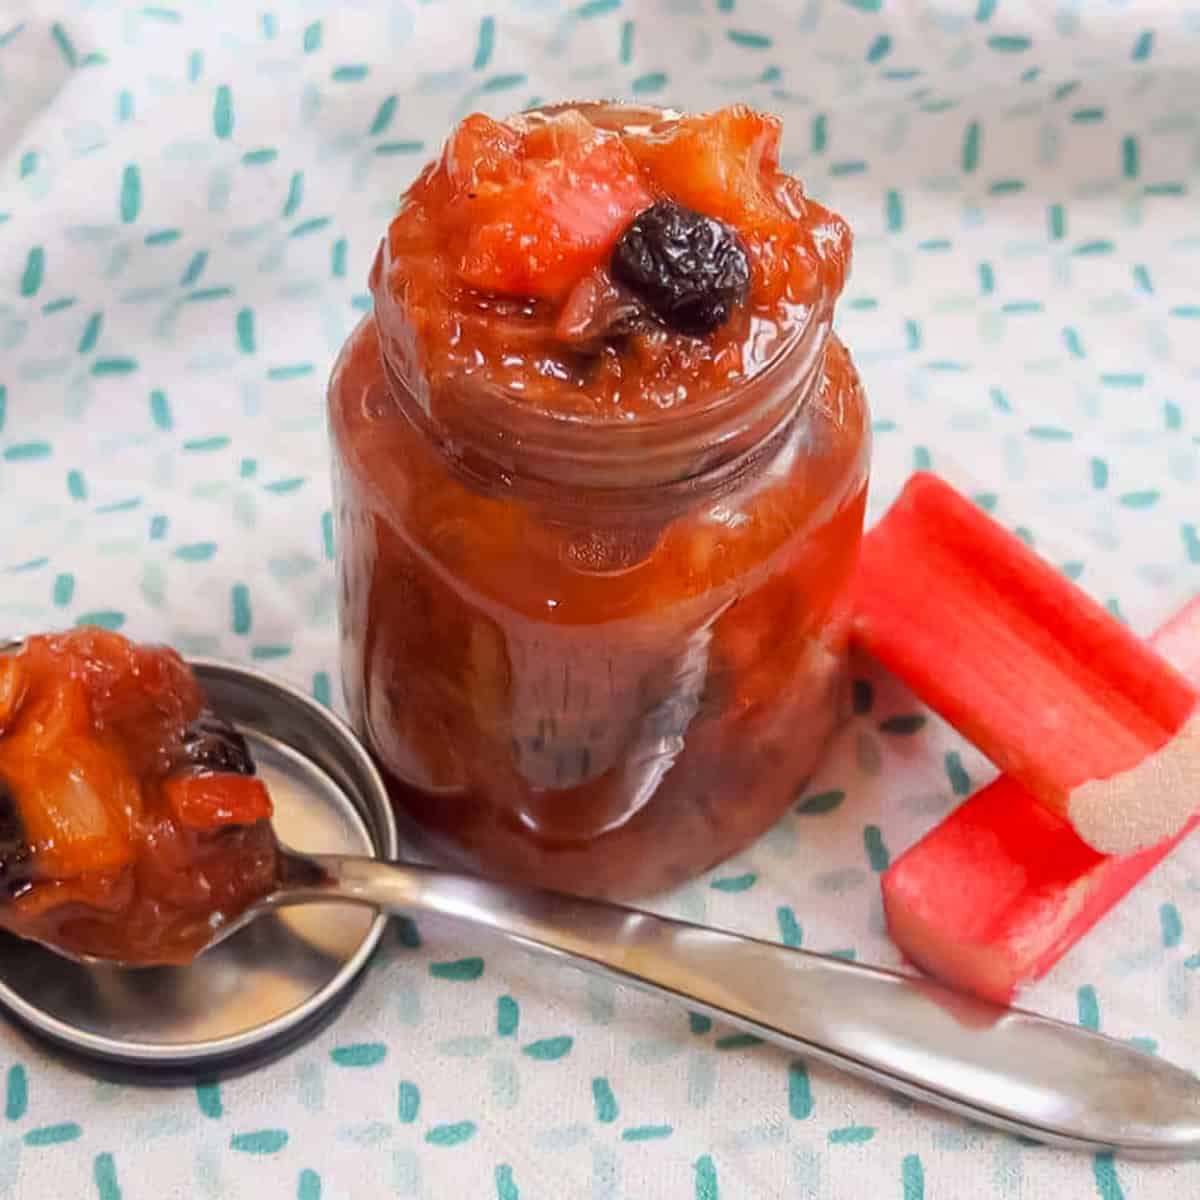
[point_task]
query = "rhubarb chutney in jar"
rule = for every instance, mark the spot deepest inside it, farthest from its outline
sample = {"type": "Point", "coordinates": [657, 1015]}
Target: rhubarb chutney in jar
{"type": "Point", "coordinates": [600, 467]}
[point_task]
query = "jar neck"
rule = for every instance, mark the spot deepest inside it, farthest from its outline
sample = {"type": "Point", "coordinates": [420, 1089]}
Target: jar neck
{"type": "Point", "coordinates": [500, 443]}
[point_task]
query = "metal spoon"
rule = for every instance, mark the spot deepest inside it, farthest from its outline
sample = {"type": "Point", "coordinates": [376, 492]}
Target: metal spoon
{"type": "Point", "coordinates": [1008, 1068]}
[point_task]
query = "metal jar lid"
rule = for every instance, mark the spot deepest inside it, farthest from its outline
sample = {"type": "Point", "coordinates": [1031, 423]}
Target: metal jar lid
{"type": "Point", "coordinates": [273, 983]}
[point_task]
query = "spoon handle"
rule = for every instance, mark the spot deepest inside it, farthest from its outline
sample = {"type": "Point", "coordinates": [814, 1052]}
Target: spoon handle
{"type": "Point", "coordinates": [1003, 1067]}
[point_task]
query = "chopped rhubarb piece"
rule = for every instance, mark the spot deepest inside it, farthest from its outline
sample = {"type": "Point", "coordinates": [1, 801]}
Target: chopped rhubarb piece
{"type": "Point", "coordinates": [213, 801]}
{"type": "Point", "coordinates": [79, 796]}
{"type": "Point", "coordinates": [998, 892]}
{"type": "Point", "coordinates": [537, 212]}
{"type": "Point", "coordinates": [1048, 684]}
{"type": "Point", "coordinates": [717, 163]}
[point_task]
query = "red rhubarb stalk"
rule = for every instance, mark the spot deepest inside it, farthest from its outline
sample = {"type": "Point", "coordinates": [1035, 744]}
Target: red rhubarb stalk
{"type": "Point", "coordinates": [996, 894]}
{"type": "Point", "coordinates": [1052, 687]}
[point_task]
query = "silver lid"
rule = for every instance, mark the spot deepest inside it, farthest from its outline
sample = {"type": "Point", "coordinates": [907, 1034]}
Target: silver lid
{"type": "Point", "coordinates": [272, 983]}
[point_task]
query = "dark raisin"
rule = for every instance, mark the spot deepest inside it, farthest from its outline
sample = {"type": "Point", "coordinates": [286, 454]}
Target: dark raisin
{"type": "Point", "coordinates": [16, 854]}
{"type": "Point", "coordinates": [213, 744]}
{"type": "Point", "coordinates": [688, 269]}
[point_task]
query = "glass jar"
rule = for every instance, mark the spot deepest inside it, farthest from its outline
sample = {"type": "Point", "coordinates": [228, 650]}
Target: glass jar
{"type": "Point", "coordinates": [590, 655]}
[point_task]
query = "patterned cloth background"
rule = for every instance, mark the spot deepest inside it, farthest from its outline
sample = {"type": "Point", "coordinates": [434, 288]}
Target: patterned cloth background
{"type": "Point", "coordinates": [189, 198]}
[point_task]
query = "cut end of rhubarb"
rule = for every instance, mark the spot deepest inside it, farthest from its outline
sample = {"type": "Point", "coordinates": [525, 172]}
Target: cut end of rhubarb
{"type": "Point", "coordinates": [1145, 804]}
{"type": "Point", "coordinates": [986, 971]}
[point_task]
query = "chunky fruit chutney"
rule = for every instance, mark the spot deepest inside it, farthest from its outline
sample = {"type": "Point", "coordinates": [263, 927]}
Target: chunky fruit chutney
{"type": "Point", "coordinates": [600, 468]}
{"type": "Point", "coordinates": [131, 822]}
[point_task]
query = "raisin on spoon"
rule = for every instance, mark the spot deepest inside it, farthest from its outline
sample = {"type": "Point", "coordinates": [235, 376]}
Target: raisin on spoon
{"type": "Point", "coordinates": [16, 854]}
{"type": "Point", "coordinates": [690, 270]}
{"type": "Point", "coordinates": [213, 744]}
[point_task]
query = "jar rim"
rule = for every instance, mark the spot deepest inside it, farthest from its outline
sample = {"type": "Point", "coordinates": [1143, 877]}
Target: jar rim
{"type": "Point", "coordinates": [486, 425]}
